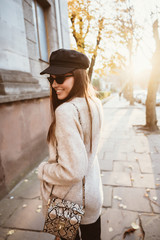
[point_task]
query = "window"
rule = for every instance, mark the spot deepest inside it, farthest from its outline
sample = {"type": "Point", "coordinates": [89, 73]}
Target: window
{"type": "Point", "coordinates": [40, 29]}
{"type": "Point", "coordinates": [58, 17]}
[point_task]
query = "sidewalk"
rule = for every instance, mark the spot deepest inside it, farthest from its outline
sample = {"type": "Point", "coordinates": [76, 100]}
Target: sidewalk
{"type": "Point", "coordinates": [130, 169]}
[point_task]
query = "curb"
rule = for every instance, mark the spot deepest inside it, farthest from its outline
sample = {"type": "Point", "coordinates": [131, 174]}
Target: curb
{"type": "Point", "coordinates": [106, 99]}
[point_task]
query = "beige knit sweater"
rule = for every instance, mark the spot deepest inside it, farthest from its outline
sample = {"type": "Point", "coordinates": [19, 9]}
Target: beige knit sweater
{"type": "Point", "coordinates": [74, 158]}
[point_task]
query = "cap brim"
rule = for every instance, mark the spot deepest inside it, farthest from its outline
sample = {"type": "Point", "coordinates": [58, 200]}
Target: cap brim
{"type": "Point", "coordinates": [55, 70]}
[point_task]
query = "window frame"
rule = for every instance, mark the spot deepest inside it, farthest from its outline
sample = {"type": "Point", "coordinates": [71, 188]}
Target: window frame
{"type": "Point", "coordinates": [37, 31]}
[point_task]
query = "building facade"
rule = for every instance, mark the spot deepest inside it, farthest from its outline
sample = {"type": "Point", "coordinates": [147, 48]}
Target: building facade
{"type": "Point", "coordinates": [30, 31]}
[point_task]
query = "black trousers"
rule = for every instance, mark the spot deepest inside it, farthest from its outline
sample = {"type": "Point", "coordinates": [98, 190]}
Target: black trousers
{"type": "Point", "coordinates": [90, 231]}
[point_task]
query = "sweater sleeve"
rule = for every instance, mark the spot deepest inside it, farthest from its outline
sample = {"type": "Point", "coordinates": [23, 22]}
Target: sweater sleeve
{"type": "Point", "coordinates": [72, 156]}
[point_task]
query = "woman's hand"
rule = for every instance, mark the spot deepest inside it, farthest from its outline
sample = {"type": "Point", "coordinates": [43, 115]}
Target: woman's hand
{"type": "Point", "coordinates": [41, 170]}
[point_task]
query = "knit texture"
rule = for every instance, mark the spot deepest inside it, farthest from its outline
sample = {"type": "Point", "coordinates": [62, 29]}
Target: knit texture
{"type": "Point", "coordinates": [74, 158]}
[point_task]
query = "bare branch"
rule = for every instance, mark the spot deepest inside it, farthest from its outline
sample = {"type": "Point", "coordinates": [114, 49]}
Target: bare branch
{"type": "Point", "coordinates": [72, 18]}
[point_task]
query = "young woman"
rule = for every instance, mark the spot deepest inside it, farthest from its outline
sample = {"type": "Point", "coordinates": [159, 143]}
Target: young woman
{"type": "Point", "coordinates": [74, 137]}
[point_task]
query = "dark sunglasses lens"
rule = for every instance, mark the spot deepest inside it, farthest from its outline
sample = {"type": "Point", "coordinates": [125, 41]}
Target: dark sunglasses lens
{"type": "Point", "coordinates": [60, 79]}
{"type": "Point", "coordinates": [51, 80]}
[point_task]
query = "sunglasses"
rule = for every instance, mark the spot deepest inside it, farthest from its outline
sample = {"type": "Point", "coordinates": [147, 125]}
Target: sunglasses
{"type": "Point", "coordinates": [58, 79]}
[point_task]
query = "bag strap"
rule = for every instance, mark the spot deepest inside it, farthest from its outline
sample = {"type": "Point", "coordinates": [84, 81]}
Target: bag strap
{"type": "Point", "coordinates": [83, 180]}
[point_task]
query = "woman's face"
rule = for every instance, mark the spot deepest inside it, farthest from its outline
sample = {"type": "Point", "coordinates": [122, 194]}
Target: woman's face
{"type": "Point", "coordinates": [63, 90]}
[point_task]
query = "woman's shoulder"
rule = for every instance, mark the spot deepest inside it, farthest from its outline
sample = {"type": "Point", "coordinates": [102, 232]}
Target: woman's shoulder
{"type": "Point", "coordinates": [69, 107]}
{"type": "Point", "coordinates": [66, 109]}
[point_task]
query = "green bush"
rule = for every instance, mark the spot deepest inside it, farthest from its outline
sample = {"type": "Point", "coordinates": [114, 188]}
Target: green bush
{"type": "Point", "coordinates": [102, 94]}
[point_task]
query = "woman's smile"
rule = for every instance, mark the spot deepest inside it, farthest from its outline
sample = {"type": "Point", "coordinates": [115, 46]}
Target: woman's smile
{"type": "Point", "coordinates": [58, 91]}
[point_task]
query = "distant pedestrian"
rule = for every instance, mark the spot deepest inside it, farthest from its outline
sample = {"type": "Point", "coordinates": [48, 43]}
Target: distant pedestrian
{"type": "Point", "coordinates": [120, 94]}
{"type": "Point", "coordinates": [74, 138]}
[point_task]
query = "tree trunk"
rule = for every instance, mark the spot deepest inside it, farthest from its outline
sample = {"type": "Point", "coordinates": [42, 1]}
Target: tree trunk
{"type": "Point", "coordinates": [130, 84]}
{"type": "Point", "coordinates": [151, 118]}
{"type": "Point", "coordinates": [100, 26]}
{"type": "Point", "coordinates": [131, 99]}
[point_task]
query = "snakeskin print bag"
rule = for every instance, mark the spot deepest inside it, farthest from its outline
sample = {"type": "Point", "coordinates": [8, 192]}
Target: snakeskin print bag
{"type": "Point", "coordinates": [63, 217]}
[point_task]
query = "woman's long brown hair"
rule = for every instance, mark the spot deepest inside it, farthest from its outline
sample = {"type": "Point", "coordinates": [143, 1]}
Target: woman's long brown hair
{"type": "Point", "coordinates": [81, 88]}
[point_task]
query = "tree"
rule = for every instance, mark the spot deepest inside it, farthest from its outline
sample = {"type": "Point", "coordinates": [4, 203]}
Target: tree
{"type": "Point", "coordinates": [92, 29]}
{"type": "Point", "coordinates": [86, 22]}
{"type": "Point", "coordinates": [151, 118]}
{"type": "Point", "coordinates": [127, 31]}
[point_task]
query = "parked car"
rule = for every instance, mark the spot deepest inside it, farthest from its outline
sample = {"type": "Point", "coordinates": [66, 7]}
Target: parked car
{"type": "Point", "coordinates": [140, 96]}
{"type": "Point", "coordinates": [158, 99]}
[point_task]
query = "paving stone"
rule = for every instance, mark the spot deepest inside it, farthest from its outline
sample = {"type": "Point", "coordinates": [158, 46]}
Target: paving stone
{"type": "Point", "coordinates": [144, 180]}
{"type": "Point", "coordinates": [24, 188]}
{"type": "Point", "coordinates": [108, 146]}
{"type": "Point", "coordinates": [116, 178]}
{"type": "Point", "coordinates": [7, 208]}
{"type": "Point", "coordinates": [118, 135]}
{"type": "Point", "coordinates": [108, 156]}
{"type": "Point", "coordinates": [132, 198]}
{"type": "Point", "coordinates": [154, 142]}
{"type": "Point", "coordinates": [152, 147]}
{"type": "Point", "coordinates": [151, 227]}
{"type": "Point", "coordinates": [106, 165]}
{"type": "Point", "coordinates": [3, 233]}
{"type": "Point", "coordinates": [100, 154]}
{"type": "Point", "coordinates": [124, 146]}
{"type": "Point", "coordinates": [133, 156]}
{"type": "Point", "coordinates": [125, 166]}
{"type": "Point", "coordinates": [115, 156]}
{"type": "Point", "coordinates": [115, 221]}
{"type": "Point", "coordinates": [145, 163]}
{"type": "Point", "coordinates": [136, 235]}
{"type": "Point", "coordinates": [156, 163]}
{"type": "Point", "coordinates": [106, 135]}
{"type": "Point", "coordinates": [29, 235]}
{"type": "Point", "coordinates": [140, 145]}
{"type": "Point", "coordinates": [157, 149]}
{"type": "Point", "coordinates": [26, 217]}
{"type": "Point", "coordinates": [107, 193]}
{"type": "Point", "coordinates": [153, 194]}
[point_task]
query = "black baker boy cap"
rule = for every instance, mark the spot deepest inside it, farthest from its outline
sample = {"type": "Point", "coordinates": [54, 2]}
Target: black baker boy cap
{"type": "Point", "coordinates": [64, 61]}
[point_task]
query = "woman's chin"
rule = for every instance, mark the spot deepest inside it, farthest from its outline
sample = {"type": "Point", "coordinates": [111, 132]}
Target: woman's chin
{"type": "Point", "coordinates": [61, 97]}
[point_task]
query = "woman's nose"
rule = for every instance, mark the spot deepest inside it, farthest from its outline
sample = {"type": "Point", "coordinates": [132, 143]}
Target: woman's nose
{"type": "Point", "coordinates": [54, 84]}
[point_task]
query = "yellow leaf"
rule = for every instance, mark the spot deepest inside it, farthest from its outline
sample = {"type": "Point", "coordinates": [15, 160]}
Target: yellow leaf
{"type": "Point", "coordinates": [110, 229]}
{"type": "Point", "coordinates": [146, 195]}
{"type": "Point", "coordinates": [39, 207]}
{"type": "Point", "coordinates": [38, 210]}
{"type": "Point", "coordinates": [134, 225]}
{"type": "Point", "coordinates": [10, 232]}
{"type": "Point", "coordinates": [155, 198]}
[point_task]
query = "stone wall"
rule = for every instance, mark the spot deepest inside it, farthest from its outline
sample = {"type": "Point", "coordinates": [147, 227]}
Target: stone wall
{"type": "Point", "coordinates": [23, 132]}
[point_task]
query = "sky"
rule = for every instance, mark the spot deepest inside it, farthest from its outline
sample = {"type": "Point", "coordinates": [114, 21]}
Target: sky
{"type": "Point", "coordinates": [143, 10]}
